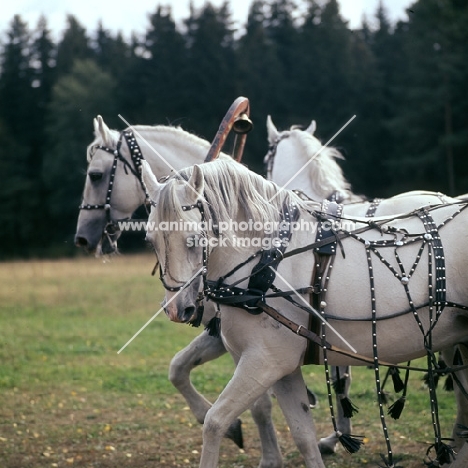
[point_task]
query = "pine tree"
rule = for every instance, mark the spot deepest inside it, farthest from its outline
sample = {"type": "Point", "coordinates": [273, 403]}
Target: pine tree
{"type": "Point", "coordinates": [110, 52]}
{"type": "Point", "coordinates": [76, 99]}
{"type": "Point", "coordinates": [74, 45]}
{"type": "Point", "coordinates": [210, 68]}
{"type": "Point", "coordinates": [430, 126]}
{"type": "Point", "coordinates": [163, 69]}
{"type": "Point", "coordinates": [259, 78]}
{"type": "Point", "coordinates": [20, 190]}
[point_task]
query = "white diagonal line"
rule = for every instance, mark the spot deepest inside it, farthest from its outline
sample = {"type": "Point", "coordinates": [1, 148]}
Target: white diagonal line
{"type": "Point", "coordinates": [155, 151]}
{"type": "Point", "coordinates": [314, 311]}
{"type": "Point", "coordinates": [313, 157]}
{"type": "Point", "coordinates": [157, 313]}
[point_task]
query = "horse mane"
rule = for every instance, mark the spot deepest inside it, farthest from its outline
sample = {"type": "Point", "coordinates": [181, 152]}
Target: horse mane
{"type": "Point", "coordinates": [231, 192]}
{"type": "Point", "coordinates": [172, 132]}
{"type": "Point", "coordinates": [325, 173]}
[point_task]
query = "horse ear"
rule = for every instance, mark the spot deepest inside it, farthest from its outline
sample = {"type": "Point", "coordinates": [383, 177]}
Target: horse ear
{"type": "Point", "coordinates": [312, 127]}
{"type": "Point", "coordinates": [197, 184]}
{"type": "Point", "coordinates": [102, 129]}
{"type": "Point", "coordinates": [149, 180]}
{"type": "Point", "coordinates": [272, 131]}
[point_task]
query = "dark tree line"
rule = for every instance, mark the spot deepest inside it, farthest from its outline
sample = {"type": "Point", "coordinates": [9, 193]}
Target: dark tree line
{"type": "Point", "coordinates": [407, 83]}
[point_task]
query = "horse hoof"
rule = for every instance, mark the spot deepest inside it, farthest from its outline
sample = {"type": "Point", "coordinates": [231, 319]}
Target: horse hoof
{"type": "Point", "coordinates": [235, 433]}
{"type": "Point", "coordinates": [325, 447]}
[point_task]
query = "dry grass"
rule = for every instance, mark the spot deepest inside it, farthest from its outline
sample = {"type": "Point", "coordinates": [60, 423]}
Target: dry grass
{"type": "Point", "coordinates": [68, 399]}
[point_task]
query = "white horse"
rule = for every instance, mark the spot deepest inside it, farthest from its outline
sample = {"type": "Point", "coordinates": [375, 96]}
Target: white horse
{"type": "Point", "coordinates": [380, 301]}
{"type": "Point", "coordinates": [296, 159]}
{"type": "Point", "coordinates": [165, 149]}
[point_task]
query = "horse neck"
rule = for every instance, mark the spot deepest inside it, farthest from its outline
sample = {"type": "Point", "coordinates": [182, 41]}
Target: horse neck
{"type": "Point", "coordinates": [169, 148]}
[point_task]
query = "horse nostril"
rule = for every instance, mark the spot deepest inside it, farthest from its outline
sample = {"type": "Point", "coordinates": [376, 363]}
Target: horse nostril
{"type": "Point", "coordinates": [81, 241]}
{"type": "Point", "coordinates": [188, 312]}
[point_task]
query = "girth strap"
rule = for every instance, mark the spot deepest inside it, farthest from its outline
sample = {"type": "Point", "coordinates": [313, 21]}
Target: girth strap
{"type": "Point", "coordinates": [323, 257]}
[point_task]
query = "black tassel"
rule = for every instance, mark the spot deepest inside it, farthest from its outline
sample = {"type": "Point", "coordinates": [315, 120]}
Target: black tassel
{"type": "Point", "coordinates": [351, 443]}
{"type": "Point", "coordinates": [398, 384]}
{"type": "Point", "coordinates": [444, 454]}
{"type": "Point", "coordinates": [213, 327]}
{"type": "Point", "coordinates": [349, 410]}
{"type": "Point", "coordinates": [448, 384]}
{"type": "Point", "coordinates": [397, 408]}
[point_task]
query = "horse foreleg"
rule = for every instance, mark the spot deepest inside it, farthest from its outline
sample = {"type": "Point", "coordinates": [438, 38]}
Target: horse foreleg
{"type": "Point", "coordinates": [261, 413]}
{"type": "Point", "coordinates": [328, 444]}
{"type": "Point", "coordinates": [462, 458]}
{"type": "Point", "coordinates": [292, 397]}
{"type": "Point", "coordinates": [202, 349]}
{"type": "Point", "coordinates": [251, 379]}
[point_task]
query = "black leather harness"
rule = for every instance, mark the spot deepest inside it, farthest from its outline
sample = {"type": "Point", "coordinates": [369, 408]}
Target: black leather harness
{"type": "Point", "coordinates": [263, 273]}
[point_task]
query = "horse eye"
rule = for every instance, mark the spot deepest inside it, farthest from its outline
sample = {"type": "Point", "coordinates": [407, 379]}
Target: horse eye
{"type": "Point", "coordinates": [95, 176]}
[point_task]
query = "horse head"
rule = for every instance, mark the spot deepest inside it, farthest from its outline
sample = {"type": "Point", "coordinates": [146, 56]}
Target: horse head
{"type": "Point", "coordinates": [180, 251]}
{"type": "Point", "coordinates": [296, 159]}
{"type": "Point", "coordinates": [105, 203]}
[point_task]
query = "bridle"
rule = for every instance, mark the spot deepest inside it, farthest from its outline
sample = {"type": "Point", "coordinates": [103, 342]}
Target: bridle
{"type": "Point", "coordinates": [269, 158]}
{"type": "Point", "coordinates": [112, 227]}
{"type": "Point", "coordinates": [205, 256]}
{"type": "Point", "coordinates": [196, 320]}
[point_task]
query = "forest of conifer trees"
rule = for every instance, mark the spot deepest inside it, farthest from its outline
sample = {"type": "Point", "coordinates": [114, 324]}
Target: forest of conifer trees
{"type": "Point", "coordinates": [407, 83]}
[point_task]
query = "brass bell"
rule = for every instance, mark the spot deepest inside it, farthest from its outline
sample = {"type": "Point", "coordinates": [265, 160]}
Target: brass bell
{"type": "Point", "coordinates": [242, 124]}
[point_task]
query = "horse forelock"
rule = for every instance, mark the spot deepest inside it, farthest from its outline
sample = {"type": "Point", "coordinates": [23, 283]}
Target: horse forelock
{"type": "Point", "coordinates": [98, 140]}
{"type": "Point", "coordinates": [231, 192]}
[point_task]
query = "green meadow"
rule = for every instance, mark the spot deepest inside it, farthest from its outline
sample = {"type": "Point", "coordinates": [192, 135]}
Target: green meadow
{"type": "Point", "coordinates": [67, 398]}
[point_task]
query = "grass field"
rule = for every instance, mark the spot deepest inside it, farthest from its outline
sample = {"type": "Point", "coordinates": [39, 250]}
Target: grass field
{"type": "Point", "coordinates": [68, 399]}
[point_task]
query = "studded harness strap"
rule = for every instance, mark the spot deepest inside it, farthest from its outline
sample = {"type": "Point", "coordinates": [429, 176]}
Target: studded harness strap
{"type": "Point", "coordinates": [263, 273]}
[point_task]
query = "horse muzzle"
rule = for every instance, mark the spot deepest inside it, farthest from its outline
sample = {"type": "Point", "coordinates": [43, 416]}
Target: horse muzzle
{"type": "Point", "coordinates": [179, 314]}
